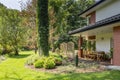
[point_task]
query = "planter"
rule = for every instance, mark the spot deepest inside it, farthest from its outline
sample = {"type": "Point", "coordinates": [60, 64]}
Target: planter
{"type": "Point", "coordinates": [58, 63]}
{"type": "Point", "coordinates": [111, 60]}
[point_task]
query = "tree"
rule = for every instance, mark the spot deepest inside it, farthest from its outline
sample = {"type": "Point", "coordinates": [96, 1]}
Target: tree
{"type": "Point", "coordinates": [12, 33]}
{"type": "Point", "coordinates": [16, 30]}
{"type": "Point", "coordinates": [3, 30]}
{"type": "Point", "coordinates": [28, 12]}
{"type": "Point", "coordinates": [63, 17]}
{"type": "Point", "coordinates": [43, 26]}
{"type": "Point", "coordinates": [66, 18]}
{"type": "Point", "coordinates": [51, 28]}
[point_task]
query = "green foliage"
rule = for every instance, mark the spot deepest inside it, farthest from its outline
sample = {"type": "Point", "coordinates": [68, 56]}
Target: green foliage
{"type": "Point", "coordinates": [39, 63]}
{"type": "Point", "coordinates": [67, 19]}
{"type": "Point", "coordinates": [57, 59]}
{"type": "Point", "coordinates": [64, 38]}
{"type": "Point", "coordinates": [12, 33]}
{"type": "Point", "coordinates": [94, 46]}
{"type": "Point", "coordinates": [32, 59]}
{"type": "Point", "coordinates": [14, 69]}
{"type": "Point", "coordinates": [89, 45]}
{"type": "Point", "coordinates": [84, 44]}
{"type": "Point", "coordinates": [16, 31]}
{"type": "Point", "coordinates": [55, 55]}
{"type": "Point", "coordinates": [43, 26]}
{"type": "Point", "coordinates": [2, 6]}
{"type": "Point", "coordinates": [111, 52]}
{"type": "Point", "coordinates": [28, 14]}
{"type": "Point", "coordinates": [109, 55]}
{"type": "Point", "coordinates": [49, 63]}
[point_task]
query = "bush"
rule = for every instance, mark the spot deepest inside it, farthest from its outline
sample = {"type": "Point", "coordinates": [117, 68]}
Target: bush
{"type": "Point", "coordinates": [39, 63]}
{"type": "Point", "coordinates": [30, 60]}
{"type": "Point", "coordinates": [49, 63]}
{"type": "Point", "coordinates": [56, 55]}
{"type": "Point", "coordinates": [58, 61]}
{"type": "Point", "coordinates": [108, 56]}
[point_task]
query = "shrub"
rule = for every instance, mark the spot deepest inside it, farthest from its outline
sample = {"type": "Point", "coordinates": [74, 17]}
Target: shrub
{"type": "Point", "coordinates": [56, 55]}
{"type": "Point", "coordinates": [29, 61]}
{"type": "Point", "coordinates": [111, 52]}
{"type": "Point", "coordinates": [58, 61]}
{"type": "Point", "coordinates": [39, 63]}
{"type": "Point", "coordinates": [33, 58]}
{"type": "Point", "coordinates": [108, 56]}
{"type": "Point", "coordinates": [49, 63]}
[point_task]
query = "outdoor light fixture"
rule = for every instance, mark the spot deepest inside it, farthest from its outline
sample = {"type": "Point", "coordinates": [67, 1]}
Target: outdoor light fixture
{"type": "Point", "coordinates": [102, 38]}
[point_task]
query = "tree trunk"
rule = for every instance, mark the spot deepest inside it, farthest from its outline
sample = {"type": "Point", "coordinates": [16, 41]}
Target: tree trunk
{"type": "Point", "coordinates": [16, 51]}
{"type": "Point", "coordinates": [35, 48]}
{"type": "Point", "coordinates": [43, 26]}
{"type": "Point", "coordinates": [4, 51]}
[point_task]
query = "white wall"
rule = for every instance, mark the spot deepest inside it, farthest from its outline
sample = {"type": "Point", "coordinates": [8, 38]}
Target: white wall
{"type": "Point", "coordinates": [108, 10]}
{"type": "Point", "coordinates": [103, 42]}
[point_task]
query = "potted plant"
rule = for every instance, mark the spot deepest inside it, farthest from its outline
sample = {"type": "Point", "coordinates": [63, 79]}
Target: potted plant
{"type": "Point", "coordinates": [111, 55]}
{"type": "Point", "coordinates": [89, 46]}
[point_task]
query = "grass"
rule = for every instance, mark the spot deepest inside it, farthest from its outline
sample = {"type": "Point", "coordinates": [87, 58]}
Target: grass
{"type": "Point", "coordinates": [13, 69]}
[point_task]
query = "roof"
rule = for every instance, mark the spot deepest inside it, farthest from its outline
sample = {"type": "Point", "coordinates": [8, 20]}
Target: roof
{"type": "Point", "coordinates": [102, 23]}
{"type": "Point", "coordinates": [94, 5]}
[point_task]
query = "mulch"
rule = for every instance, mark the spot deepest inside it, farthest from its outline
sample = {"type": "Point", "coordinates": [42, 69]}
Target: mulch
{"type": "Point", "coordinates": [63, 69]}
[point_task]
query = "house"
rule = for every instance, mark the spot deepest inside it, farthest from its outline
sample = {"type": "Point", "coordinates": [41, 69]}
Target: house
{"type": "Point", "coordinates": [103, 20]}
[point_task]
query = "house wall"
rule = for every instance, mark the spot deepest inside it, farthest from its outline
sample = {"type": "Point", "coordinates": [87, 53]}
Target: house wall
{"type": "Point", "coordinates": [103, 42]}
{"type": "Point", "coordinates": [116, 49]}
{"type": "Point", "coordinates": [92, 18]}
{"type": "Point", "coordinates": [108, 10]}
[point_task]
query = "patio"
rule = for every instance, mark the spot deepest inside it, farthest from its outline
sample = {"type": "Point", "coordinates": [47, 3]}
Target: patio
{"type": "Point", "coordinates": [92, 61]}
{"type": "Point", "coordinates": [89, 49]}
{"type": "Point", "coordinates": [95, 55]}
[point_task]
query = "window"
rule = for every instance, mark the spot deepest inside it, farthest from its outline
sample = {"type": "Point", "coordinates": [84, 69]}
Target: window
{"type": "Point", "coordinates": [88, 20]}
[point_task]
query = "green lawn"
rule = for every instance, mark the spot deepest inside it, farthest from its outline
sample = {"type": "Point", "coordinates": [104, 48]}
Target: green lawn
{"type": "Point", "coordinates": [13, 69]}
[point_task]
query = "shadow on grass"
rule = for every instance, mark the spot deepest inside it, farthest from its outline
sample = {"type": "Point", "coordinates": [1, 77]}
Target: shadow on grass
{"type": "Point", "coordinates": [107, 75]}
{"type": "Point", "coordinates": [10, 77]}
{"type": "Point", "coordinates": [20, 56]}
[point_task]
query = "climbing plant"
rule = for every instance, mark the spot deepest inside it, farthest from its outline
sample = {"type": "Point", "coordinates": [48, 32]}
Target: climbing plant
{"type": "Point", "coordinates": [43, 26]}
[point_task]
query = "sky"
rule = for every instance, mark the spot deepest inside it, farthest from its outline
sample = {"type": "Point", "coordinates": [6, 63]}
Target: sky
{"type": "Point", "coordinates": [13, 4]}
